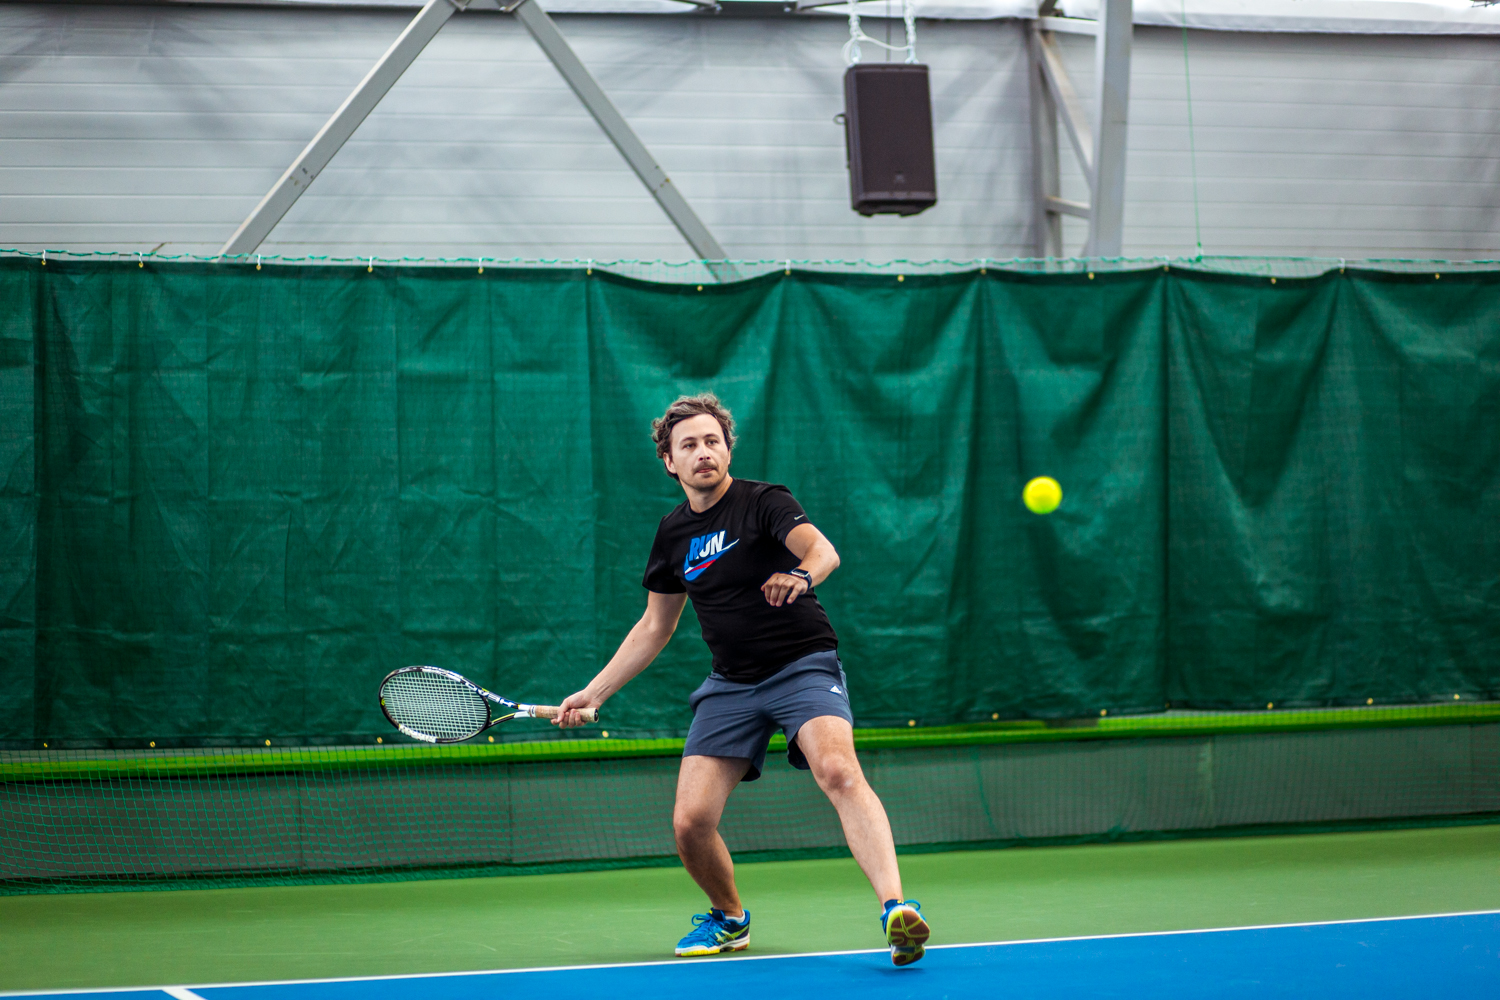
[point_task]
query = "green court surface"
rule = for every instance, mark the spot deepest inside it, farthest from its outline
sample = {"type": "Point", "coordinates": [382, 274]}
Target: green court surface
{"type": "Point", "coordinates": [228, 935]}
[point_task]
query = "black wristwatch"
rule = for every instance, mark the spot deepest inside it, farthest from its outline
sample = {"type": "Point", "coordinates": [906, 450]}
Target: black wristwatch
{"type": "Point", "coordinates": [801, 574]}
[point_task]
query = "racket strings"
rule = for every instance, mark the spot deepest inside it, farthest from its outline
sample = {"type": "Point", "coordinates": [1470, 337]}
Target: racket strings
{"type": "Point", "coordinates": [434, 705]}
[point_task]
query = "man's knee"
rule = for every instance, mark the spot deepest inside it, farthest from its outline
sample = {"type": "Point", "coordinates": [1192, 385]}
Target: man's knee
{"type": "Point", "coordinates": [692, 824]}
{"type": "Point", "coordinates": [838, 775]}
{"type": "Point", "coordinates": [828, 745]}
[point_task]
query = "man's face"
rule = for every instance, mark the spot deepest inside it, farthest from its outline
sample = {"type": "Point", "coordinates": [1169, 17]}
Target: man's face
{"type": "Point", "coordinates": [699, 457]}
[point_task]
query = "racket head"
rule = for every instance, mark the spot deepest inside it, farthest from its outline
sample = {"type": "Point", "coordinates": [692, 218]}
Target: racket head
{"type": "Point", "coordinates": [434, 705]}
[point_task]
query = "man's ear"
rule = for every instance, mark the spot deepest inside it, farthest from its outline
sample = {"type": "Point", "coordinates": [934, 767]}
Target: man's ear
{"type": "Point", "coordinates": [667, 461]}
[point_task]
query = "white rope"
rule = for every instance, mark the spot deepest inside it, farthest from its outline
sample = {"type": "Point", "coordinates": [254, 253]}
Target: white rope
{"type": "Point", "coordinates": [857, 34]}
{"type": "Point", "coordinates": [909, 15]}
{"type": "Point", "coordinates": [851, 47]}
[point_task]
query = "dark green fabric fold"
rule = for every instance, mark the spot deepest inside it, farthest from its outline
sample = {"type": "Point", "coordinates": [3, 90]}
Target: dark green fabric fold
{"type": "Point", "coordinates": [232, 499]}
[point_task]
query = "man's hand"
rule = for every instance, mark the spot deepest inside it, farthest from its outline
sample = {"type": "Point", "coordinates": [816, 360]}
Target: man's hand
{"type": "Point", "coordinates": [783, 588]}
{"type": "Point", "coordinates": [569, 717]}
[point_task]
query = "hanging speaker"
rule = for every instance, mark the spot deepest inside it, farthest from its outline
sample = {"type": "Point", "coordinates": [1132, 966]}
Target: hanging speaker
{"type": "Point", "coordinates": [888, 139]}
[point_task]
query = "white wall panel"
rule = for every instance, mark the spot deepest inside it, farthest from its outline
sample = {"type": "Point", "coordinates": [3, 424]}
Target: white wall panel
{"type": "Point", "coordinates": [1328, 145]}
{"type": "Point", "coordinates": [129, 127]}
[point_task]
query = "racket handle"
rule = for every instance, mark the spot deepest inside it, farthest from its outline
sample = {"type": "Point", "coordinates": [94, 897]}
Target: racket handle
{"type": "Point", "coordinates": [551, 712]}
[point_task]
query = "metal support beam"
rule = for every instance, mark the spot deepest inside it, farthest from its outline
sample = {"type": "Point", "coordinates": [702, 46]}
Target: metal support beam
{"type": "Point", "coordinates": [1101, 148]}
{"type": "Point", "coordinates": [1062, 206]}
{"type": "Point", "coordinates": [332, 136]}
{"type": "Point", "coordinates": [542, 28]}
{"type": "Point", "coordinates": [1069, 107]}
{"type": "Point", "coordinates": [1112, 57]}
{"type": "Point", "coordinates": [337, 130]}
{"type": "Point", "coordinates": [1069, 25]}
{"type": "Point", "coordinates": [1046, 184]}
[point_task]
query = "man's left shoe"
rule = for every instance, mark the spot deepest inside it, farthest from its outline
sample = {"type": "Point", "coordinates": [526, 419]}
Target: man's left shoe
{"type": "Point", "coordinates": [905, 931]}
{"type": "Point", "coordinates": [715, 932]}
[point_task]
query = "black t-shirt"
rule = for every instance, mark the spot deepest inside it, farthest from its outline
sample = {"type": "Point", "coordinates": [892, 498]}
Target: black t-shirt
{"type": "Point", "coordinates": [720, 558]}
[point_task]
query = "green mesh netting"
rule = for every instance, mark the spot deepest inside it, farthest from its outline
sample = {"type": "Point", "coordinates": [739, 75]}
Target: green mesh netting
{"type": "Point", "coordinates": [92, 820]}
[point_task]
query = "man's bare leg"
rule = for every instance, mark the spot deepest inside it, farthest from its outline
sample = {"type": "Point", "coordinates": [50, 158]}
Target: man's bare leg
{"type": "Point", "coordinates": [703, 786]}
{"type": "Point", "coordinates": [828, 744]}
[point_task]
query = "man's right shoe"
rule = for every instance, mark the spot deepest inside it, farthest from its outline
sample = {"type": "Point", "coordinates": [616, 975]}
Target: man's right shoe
{"type": "Point", "coordinates": [713, 932]}
{"type": "Point", "coordinates": [905, 931]}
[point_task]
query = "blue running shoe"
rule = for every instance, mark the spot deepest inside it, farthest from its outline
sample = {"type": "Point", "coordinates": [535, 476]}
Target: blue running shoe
{"type": "Point", "coordinates": [905, 930]}
{"type": "Point", "coordinates": [713, 933]}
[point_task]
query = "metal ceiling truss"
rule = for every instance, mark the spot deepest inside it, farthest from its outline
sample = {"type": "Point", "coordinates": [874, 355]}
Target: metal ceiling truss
{"type": "Point", "coordinates": [1099, 147]}
{"type": "Point", "coordinates": [402, 53]}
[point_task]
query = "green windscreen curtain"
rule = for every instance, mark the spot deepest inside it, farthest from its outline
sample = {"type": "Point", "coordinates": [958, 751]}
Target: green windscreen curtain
{"type": "Point", "coordinates": [235, 498]}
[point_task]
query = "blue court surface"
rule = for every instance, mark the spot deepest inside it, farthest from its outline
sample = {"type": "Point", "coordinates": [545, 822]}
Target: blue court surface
{"type": "Point", "coordinates": [1426, 957]}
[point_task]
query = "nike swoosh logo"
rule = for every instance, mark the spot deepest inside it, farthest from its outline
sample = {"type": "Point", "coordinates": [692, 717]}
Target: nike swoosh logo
{"type": "Point", "coordinates": [799, 517]}
{"type": "Point", "coordinates": [696, 568]}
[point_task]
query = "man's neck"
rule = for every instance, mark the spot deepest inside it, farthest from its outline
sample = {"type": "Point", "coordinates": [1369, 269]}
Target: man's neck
{"type": "Point", "coordinates": [700, 500]}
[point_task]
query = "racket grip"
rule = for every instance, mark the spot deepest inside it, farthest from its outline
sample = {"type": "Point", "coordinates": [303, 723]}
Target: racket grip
{"type": "Point", "coordinates": [551, 712]}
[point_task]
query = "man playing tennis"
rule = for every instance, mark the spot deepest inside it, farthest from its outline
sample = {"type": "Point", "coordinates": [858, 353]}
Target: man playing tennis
{"type": "Point", "coordinates": [746, 554]}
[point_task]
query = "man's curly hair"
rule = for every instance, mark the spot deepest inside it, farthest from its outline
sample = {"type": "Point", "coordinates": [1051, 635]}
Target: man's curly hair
{"type": "Point", "coordinates": [685, 408]}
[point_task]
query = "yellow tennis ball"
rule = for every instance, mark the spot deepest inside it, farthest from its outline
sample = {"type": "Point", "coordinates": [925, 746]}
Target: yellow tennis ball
{"type": "Point", "coordinates": [1042, 495]}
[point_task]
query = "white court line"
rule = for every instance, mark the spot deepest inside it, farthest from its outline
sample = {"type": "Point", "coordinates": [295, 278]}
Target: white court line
{"type": "Point", "coordinates": [180, 993]}
{"type": "Point", "coordinates": [187, 993]}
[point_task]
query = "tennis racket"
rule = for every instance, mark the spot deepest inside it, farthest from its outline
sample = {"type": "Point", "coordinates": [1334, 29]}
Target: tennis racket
{"type": "Point", "coordinates": [438, 706]}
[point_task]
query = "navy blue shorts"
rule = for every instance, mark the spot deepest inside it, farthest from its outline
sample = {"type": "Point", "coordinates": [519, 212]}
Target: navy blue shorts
{"type": "Point", "coordinates": [738, 720]}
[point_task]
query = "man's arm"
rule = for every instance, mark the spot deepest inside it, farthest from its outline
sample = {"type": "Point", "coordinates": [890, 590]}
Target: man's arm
{"type": "Point", "coordinates": [819, 559]}
{"type": "Point", "coordinates": [645, 641]}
